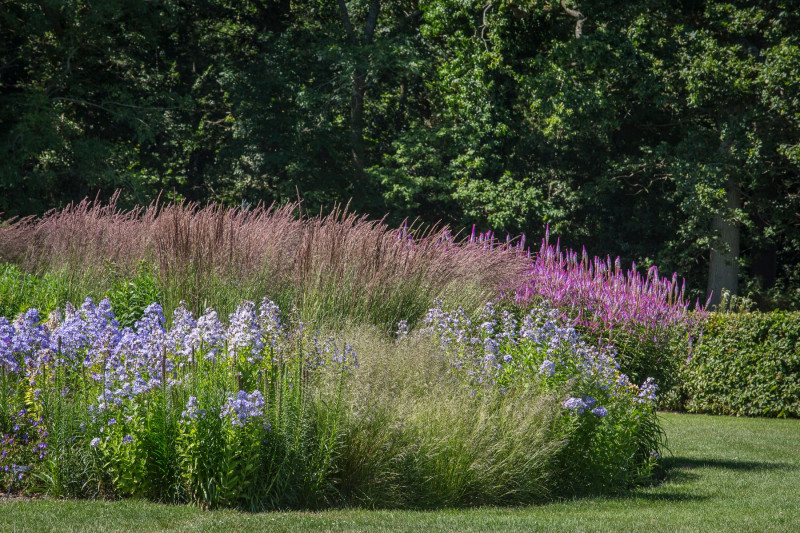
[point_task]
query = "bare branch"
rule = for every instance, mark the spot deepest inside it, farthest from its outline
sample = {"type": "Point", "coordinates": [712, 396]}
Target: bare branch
{"type": "Point", "coordinates": [483, 27]}
{"type": "Point", "coordinates": [578, 15]}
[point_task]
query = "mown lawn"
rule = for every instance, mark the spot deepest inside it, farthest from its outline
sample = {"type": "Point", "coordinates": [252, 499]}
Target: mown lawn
{"type": "Point", "coordinates": [725, 474]}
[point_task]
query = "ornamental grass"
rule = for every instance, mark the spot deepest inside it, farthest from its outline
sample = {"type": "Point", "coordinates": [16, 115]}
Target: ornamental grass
{"type": "Point", "coordinates": [333, 268]}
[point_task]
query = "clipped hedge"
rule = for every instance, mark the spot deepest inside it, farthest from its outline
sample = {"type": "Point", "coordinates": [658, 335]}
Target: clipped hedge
{"type": "Point", "coordinates": [748, 364]}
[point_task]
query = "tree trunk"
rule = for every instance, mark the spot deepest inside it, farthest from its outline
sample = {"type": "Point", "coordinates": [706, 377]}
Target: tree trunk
{"type": "Point", "coordinates": [723, 268]}
{"type": "Point", "coordinates": [359, 79]}
{"type": "Point", "coordinates": [357, 118]}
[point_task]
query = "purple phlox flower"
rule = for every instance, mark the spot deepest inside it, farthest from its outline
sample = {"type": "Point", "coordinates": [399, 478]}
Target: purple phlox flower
{"type": "Point", "coordinates": [150, 339]}
{"type": "Point", "coordinates": [509, 329]}
{"type": "Point", "coordinates": [191, 411]}
{"type": "Point", "coordinates": [269, 317]}
{"type": "Point", "coordinates": [127, 439]}
{"type": "Point", "coordinates": [347, 358]}
{"type": "Point", "coordinates": [102, 326]}
{"type": "Point", "coordinates": [321, 352]}
{"type": "Point", "coordinates": [547, 368]}
{"type": "Point", "coordinates": [435, 315]}
{"type": "Point", "coordinates": [487, 319]}
{"type": "Point", "coordinates": [208, 335]}
{"type": "Point", "coordinates": [600, 411]}
{"type": "Point", "coordinates": [575, 405]}
{"type": "Point", "coordinates": [7, 358]}
{"type": "Point", "coordinates": [92, 329]}
{"type": "Point", "coordinates": [155, 314]}
{"type": "Point", "coordinates": [243, 408]}
{"type": "Point", "coordinates": [95, 442]}
{"type": "Point", "coordinates": [488, 312]}
{"type": "Point", "coordinates": [244, 332]}
{"type": "Point", "coordinates": [402, 330]}
{"type": "Point", "coordinates": [178, 338]}
{"type": "Point", "coordinates": [490, 346]}
{"type": "Point", "coordinates": [647, 391]}
{"type": "Point", "coordinates": [71, 335]}
{"type": "Point", "coordinates": [30, 335]}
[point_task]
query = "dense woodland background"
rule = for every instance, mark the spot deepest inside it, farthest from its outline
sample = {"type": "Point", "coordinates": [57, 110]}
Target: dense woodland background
{"type": "Point", "coordinates": [663, 131]}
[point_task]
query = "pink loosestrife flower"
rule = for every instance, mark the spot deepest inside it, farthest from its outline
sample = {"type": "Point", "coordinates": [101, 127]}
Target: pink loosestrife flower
{"type": "Point", "coordinates": [600, 297]}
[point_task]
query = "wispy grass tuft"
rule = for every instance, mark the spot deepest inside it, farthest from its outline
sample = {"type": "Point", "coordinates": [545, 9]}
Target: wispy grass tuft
{"type": "Point", "coordinates": [415, 438]}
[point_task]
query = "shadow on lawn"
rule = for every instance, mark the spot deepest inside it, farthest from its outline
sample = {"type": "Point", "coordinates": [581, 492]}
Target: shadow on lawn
{"type": "Point", "coordinates": [671, 464]}
{"type": "Point", "coordinates": [680, 470]}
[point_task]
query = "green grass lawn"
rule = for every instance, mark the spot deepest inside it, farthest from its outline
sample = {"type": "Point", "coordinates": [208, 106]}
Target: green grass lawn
{"type": "Point", "coordinates": [724, 474]}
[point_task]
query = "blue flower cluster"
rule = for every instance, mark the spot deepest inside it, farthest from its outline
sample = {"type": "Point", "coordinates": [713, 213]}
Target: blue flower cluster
{"type": "Point", "coordinates": [24, 444]}
{"type": "Point", "coordinates": [580, 405]}
{"type": "Point", "coordinates": [192, 412]}
{"type": "Point", "coordinates": [122, 364]}
{"type": "Point", "coordinates": [244, 408]}
{"type": "Point", "coordinates": [494, 350]}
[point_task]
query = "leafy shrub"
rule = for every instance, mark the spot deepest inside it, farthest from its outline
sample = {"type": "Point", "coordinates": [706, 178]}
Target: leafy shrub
{"type": "Point", "coordinates": [647, 319]}
{"type": "Point", "coordinates": [747, 364]}
{"type": "Point", "coordinates": [130, 293]}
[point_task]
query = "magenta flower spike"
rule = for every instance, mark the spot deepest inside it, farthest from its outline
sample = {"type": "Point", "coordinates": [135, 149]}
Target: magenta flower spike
{"type": "Point", "coordinates": [597, 293]}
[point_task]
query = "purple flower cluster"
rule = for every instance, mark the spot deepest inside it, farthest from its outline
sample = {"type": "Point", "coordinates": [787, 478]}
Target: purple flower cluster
{"type": "Point", "coordinates": [488, 354]}
{"type": "Point", "coordinates": [90, 328]}
{"type": "Point", "coordinates": [125, 363]}
{"type": "Point", "coordinates": [244, 333]}
{"type": "Point", "coordinates": [243, 408]}
{"type": "Point", "coordinates": [578, 406]}
{"type": "Point", "coordinates": [325, 354]}
{"type": "Point", "coordinates": [598, 295]}
{"type": "Point", "coordinates": [402, 330]}
{"type": "Point", "coordinates": [7, 359]}
{"type": "Point", "coordinates": [25, 444]}
{"type": "Point", "coordinates": [91, 336]}
{"type": "Point", "coordinates": [192, 412]}
{"type": "Point", "coordinates": [647, 392]}
{"type": "Point", "coordinates": [178, 338]}
{"type": "Point", "coordinates": [207, 335]}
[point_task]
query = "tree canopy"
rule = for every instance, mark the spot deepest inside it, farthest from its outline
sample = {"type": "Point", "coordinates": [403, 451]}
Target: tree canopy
{"type": "Point", "coordinates": [664, 132]}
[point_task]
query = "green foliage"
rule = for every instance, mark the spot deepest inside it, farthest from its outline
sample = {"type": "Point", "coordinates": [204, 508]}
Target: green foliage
{"type": "Point", "coordinates": [20, 290]}
{"type": "Point", "coordinates": [472, 113]}
{"type": "Point", "coordinates": [601, 455]}
{"type": "Point", "coordinates": [642, 354]}
{"type": "Point", "coordinates": [747, 364]}
{"type": "Point", "coordinates": [266, 416]}
{"type": "Point", "coordinates": [130, 296]}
